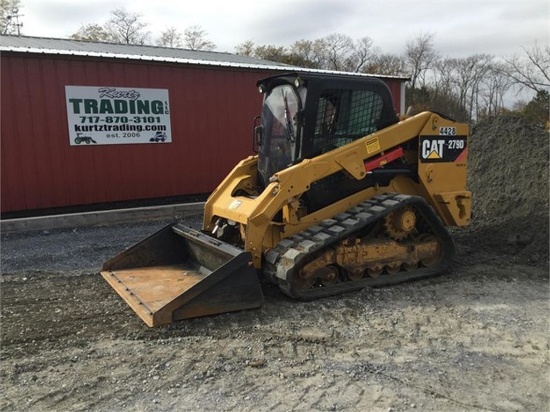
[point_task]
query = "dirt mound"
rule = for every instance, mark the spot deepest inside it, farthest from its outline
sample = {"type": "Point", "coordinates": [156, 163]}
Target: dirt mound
{"type": "Point", "coordinates": [508, 175]}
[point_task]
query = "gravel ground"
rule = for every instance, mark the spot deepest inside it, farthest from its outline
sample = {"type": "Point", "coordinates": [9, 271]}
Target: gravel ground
{"type": "Point", "coordinates": [474, 339]}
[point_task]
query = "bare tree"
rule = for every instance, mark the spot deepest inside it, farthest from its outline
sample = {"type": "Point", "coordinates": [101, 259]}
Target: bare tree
{"type": "Point", "coordinates": [339, 52]}
{"type": "Point", "coordinates": [127, 27]}
{"type": "Point", "coordinates": [363, 53]}
{"type": "Point", "coordinates": [387, 65]}
{"type": "Point", "coordinates": [308, 53]}
{"type": "Point", "coordinates": [494, 86]}
{"type": "Point", "coordinates": [246, 48]}
{"type": "Point", "coordinates": [9, 17]}
{"type": "Point", "coordinates": [333, 52]}
{"type": "Point", "coordinates": [463, 78]}
{"type": "Point", "coordinates": [444, 76]}
{"type": "Point", "coordinates": [338, 47]}
{"type": "Point", "coordinates": [92, 32]}
{"type": "Point", "coordinates": [271, 52]}
{"type": "Point", "coordinates": [420, 57]}
{"type": "Point", "coordinates": [301, 53]}
{"type": "Point", "coordinates": [533, 70]}
{"type": "Point", "coordinates": [195, 39]}
{"type": "Point", "coordinates": [170, 38]}
{"type": "Point", "coordinates": [122, 27]}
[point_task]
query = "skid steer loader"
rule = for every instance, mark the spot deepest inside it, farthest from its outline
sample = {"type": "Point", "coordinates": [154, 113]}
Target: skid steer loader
{"type": "Point", "coordinates": [341, 195]}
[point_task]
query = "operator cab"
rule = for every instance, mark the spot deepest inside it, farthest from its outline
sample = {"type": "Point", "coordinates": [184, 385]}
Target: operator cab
{"type": "Point", "coordinates": [305, 115]}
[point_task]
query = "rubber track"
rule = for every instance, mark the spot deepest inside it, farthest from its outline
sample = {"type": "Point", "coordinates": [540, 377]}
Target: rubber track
{"type": "Point", "coordinates": [290, 254]}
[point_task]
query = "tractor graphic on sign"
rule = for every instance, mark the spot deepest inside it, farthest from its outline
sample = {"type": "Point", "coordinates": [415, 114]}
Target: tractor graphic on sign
{"type": "Point", "coordinates": [158, 137]}
{"type": "Point", "coordinates": [83, 139]}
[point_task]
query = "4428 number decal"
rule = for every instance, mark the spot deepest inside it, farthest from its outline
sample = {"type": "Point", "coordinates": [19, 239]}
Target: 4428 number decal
{"type": "Point", "coordinates": [442, 148]}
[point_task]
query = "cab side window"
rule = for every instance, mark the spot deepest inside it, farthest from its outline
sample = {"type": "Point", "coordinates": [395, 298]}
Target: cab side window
{"type": "Point", "coordinates": [345, 115]}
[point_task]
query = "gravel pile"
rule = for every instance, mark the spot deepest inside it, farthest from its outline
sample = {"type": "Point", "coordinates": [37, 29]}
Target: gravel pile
{"type": "Point", "coordinates": [508, 175]}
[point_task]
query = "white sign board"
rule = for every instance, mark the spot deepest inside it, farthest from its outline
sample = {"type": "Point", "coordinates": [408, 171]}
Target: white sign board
{"type": "Point", "coordinates": [117, 115]}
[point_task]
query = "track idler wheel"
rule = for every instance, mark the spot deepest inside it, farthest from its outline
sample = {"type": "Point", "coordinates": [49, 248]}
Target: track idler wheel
{"type": "Point", "coordinates": [328, 275]}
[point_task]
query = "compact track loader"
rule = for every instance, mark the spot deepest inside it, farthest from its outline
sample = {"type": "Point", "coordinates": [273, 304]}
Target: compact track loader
{"type": "Point", "coordinates": [342, 194]}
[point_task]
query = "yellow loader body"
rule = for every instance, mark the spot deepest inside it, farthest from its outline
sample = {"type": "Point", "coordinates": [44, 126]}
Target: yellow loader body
{"type": "Point", "coordinates": [388, 230]}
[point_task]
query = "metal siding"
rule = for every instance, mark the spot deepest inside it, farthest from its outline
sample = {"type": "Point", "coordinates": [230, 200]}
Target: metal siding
{"type": "Point", "coordinates": [212, 112]}
{"type": "Point", "coordinates": [395, 89]}
{"type": "Point", "coordinates": [212, 117]}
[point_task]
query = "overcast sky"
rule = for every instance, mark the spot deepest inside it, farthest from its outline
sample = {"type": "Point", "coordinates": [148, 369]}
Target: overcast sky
{"type": "Point", "coordinates": [460, 28]}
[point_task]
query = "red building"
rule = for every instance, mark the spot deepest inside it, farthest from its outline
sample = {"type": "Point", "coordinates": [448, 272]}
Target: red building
{"type": "Point", "coordinates": [87, 123]}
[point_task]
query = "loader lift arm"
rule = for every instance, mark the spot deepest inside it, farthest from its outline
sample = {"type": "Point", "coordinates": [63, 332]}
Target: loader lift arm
{"type": "Point", "coordinates": [257, 214]}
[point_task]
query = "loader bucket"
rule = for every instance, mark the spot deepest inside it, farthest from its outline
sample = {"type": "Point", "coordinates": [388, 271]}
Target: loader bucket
{"type": "Point", "coordinates": [180, 273]}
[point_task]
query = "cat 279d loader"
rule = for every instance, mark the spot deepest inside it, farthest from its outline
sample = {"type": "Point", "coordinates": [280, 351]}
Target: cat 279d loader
{"type": "Point", "coordinates": [342, 194]}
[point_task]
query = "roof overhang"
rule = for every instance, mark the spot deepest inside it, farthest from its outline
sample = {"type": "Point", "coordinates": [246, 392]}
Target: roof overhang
{"type": "Point", "coordinates": [179, 60]}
